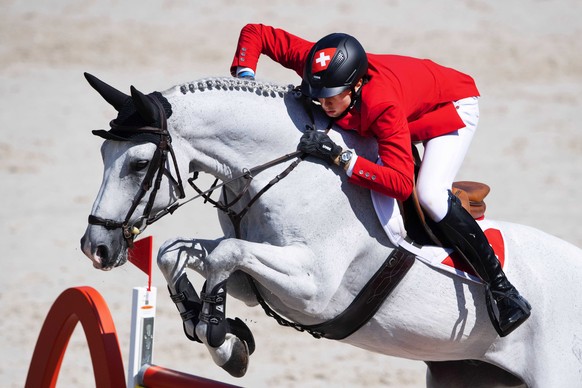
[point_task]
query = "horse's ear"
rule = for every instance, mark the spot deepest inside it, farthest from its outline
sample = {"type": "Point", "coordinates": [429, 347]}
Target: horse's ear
{"type": "Point", "coordinates": [113, 96]}
{"type": "Point", "coordinates": [145, 107]}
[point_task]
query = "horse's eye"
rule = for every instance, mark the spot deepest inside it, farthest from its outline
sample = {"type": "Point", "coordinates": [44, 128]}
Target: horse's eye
{"type": "Point", "coordinates": [139, 165]}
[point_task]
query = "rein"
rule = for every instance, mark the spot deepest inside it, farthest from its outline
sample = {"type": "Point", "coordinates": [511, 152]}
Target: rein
{"type": "Point", "coordinates": [236, 217]}
{"type": "Point", "coordinates": [157, 168]}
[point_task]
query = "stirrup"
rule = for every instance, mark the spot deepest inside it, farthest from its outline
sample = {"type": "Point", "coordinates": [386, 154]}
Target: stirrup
{"type": "Point", "coordinates": [493, 310]}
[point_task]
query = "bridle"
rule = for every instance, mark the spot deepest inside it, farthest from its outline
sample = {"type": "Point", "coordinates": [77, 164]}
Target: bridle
{"type": "Point", "coordinates": [156, 170]}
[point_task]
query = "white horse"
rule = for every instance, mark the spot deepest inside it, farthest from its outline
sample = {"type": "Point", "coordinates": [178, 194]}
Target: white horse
{"type": "Point", "coordinates": [312, 241]}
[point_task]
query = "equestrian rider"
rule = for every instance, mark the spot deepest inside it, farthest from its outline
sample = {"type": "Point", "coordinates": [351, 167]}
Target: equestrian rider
{"type": "Point", "coordinates": [398, 100]}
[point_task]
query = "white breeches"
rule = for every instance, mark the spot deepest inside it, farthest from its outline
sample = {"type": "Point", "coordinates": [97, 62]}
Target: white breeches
{"type": "Point", "coordinates": [442, 160]}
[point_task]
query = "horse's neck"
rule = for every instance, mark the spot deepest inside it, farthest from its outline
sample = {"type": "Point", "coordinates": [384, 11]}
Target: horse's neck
{"type": "Point", "coordinates": [233, 129]}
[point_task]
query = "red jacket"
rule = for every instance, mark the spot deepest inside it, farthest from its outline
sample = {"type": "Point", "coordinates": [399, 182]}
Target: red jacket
{"type": "Point", "coordinates": [406, 100]}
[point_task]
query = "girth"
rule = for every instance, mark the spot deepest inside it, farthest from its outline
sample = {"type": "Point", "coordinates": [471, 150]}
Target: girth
{"type": "Point", "coordinates": [369, 300]}
{"type": "Point", "coordinates": [364, 305]}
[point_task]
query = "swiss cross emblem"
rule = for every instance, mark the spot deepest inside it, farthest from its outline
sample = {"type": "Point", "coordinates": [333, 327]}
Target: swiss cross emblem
{"type": "Point", "coordinates": [322, 59]}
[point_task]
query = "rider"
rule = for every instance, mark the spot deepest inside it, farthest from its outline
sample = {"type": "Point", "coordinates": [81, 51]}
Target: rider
{"type": "Point", "coordinates": [398, 100]}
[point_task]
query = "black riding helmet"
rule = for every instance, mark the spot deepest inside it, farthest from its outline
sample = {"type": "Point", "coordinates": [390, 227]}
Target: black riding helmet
{"type": "Point", "coordinates": [334, 64]}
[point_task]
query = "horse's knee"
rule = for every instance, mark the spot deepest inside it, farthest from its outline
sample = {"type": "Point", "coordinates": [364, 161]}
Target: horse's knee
{"type": "Point", "coordinates": [175, 255]}
{"type": "Point", "coordinates": [167, 257]}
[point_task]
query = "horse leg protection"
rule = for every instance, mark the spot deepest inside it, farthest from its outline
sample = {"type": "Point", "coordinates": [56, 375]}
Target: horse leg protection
{"type": "Point", "coordinates": [187, 298]}
{"type": "Point", "coordinates": [218, 325]}
{"type": "Point", "coordinates": [216, 315]}
{"type": "Point", "coordinates": [507, 308]}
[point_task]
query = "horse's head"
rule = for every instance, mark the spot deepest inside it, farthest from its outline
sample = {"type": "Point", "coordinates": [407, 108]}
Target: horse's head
{"type": "Point", "coordinates": [137, 153]}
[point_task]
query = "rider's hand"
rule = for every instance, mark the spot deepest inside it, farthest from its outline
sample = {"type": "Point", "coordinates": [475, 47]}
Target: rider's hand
{"type": "Point", "coordinates": [319, 144]}
{"type": "Point", "coordinates": [245, 72]}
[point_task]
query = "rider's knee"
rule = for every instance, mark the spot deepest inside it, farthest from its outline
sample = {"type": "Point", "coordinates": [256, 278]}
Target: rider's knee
{"type": "Point", "coordinates": [434, 201]}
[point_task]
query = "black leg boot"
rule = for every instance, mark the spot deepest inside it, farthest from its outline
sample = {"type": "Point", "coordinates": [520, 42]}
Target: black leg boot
{"type": "Point", "coordinates": [188, 304]}
{"type": "Point", "coordinates": [461, 232]}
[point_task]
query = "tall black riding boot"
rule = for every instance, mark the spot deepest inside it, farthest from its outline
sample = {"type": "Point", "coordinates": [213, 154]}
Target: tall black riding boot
{"type": "Point", "coordinates": [459, 230]}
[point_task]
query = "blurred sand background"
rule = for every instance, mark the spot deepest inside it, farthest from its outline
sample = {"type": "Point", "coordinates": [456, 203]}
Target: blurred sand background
{"type": "Point", "coordinates": [526, 57]}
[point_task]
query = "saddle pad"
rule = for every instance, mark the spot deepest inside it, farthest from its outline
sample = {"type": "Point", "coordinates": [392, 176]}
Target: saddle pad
{"type": "Point", "coordinates": [437, 257]}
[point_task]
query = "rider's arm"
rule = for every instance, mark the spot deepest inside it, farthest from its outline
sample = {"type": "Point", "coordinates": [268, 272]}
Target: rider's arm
{"type": "Point", "coordinates": [255, 39]}
{"type": "Point", "coordinates": [396, 176]}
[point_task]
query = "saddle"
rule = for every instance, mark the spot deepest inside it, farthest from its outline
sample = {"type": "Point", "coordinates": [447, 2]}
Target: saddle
{"type": "Point", "coordinates": [472, 196]}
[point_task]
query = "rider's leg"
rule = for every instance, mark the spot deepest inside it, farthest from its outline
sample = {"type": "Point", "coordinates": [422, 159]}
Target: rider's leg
{"type": "Point", "coordinates": [442, 159]}
{"type": "Point", "coordinates": [455, 226]}
{"type": "Point", "coordinates": [459, 230]}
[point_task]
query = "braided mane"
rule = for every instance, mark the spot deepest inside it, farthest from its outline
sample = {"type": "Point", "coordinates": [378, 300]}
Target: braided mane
{"type": "Point", "coordinates": [265, 89]}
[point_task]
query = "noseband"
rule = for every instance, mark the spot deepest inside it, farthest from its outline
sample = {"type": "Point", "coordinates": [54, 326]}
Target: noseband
{"type": "Point", "coordinates": [156, 169]}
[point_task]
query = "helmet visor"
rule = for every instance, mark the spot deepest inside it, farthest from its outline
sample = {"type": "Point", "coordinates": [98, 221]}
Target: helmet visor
{"type": "Point", "coordinates": [321, 92]}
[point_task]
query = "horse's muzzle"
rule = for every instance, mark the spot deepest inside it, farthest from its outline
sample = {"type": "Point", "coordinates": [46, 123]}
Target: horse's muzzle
{"type": "Point", "coordinates": [102, 256]}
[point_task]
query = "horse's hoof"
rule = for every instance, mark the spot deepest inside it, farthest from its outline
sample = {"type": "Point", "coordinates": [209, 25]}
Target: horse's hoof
{"type": "Point", "coordinates": [238, 362]}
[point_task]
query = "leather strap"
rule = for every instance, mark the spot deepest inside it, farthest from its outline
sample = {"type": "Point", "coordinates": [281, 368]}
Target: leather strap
{"type": "Point", "coordinates": [364, 305]}
{"type": "Point", "coordinates": [370, 298]}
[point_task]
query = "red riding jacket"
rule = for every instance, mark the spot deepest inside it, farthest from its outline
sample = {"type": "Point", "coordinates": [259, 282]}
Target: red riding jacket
{"type": "Point", "coordinates": [406, 100]}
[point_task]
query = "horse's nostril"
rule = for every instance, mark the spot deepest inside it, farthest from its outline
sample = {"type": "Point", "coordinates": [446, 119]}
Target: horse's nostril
{"type": "Point", "coordinates": [103, 253]}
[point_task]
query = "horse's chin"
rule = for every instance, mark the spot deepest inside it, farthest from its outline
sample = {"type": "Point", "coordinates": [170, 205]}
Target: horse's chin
{"type": "Point", "coordinates": [109, 267]}
{"type": "Point", "coordinates": [121, 259]}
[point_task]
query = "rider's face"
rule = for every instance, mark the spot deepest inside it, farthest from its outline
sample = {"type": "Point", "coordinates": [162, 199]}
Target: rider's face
{"type": "Point", "coordinates": [334, 106]}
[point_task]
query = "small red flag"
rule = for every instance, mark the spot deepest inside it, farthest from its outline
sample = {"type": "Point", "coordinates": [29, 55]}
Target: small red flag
{"type": "Point", "coordinates": [141, 256]}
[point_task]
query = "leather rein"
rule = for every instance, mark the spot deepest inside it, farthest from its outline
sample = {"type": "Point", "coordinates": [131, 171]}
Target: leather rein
{"type": "Point", "coordinates": [157, 169]}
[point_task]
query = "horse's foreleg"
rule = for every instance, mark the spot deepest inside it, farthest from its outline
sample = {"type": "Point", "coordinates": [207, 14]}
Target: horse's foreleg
{"type": "Point", "coordinates": [290, 274]}
{"type": "Point", "coordinates": [173, 258]}
{"type": "Point", "coordinates": [176, 255]}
